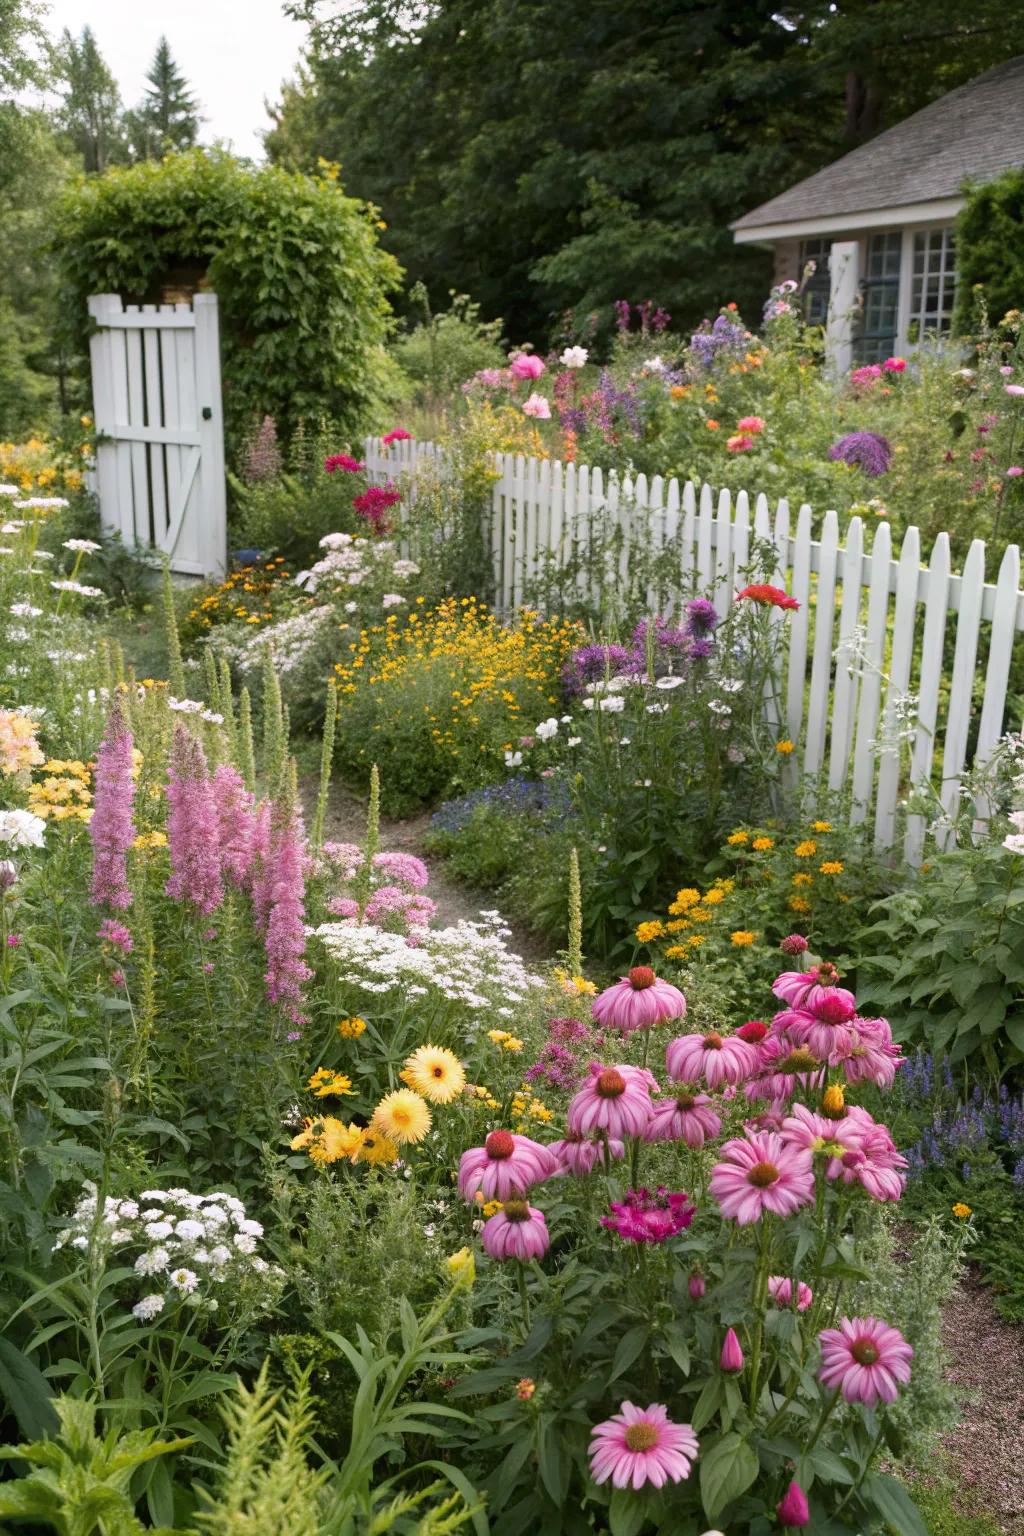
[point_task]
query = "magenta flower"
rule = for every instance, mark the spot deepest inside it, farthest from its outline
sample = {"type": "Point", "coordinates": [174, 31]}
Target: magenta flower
{"type": "Point", "coordinates": [793, 1509]}
{"type": "Point", "coordinates": [780, 1289]}
{"type": "Point", "coordinates": [519, 1231]}
{"type": "Point", "coordinates": [865, 1359]}
{"type": "Point", "coordinates": [794, 944]}
{"type": "Point", "coordinates": [872, 1057]}
{"type": "Point", "coordinates": [718, 1059]}
{"type": "Point", "coordinates": [581, 1154]}
{"type": "Point", "coordinates": [685, 1117]}
{"type": "Point", "coordinates": [525, 365]}
{"type": "Point", "coordinates": [344, 462]}
{"type": "Point", "coordinates": [643, 1217]}
{"type": "Point", "coordinates": [507, 1164]}
{"type": "Point", "coordinates": [403, 868]}
{"type": "Point", "coordinates": [869, 451]}
{"type": "Point", "coordinates": [638, 1001]}
{"type": "Point", "coordinates": [236, 822]}
{"type": "Point", "coordinates": [113, 932]}
{"type": "Point", "coordinates": [396, 435]}
{"type": "Point", "coordinates": [696, 1285]}
{"type": "Point", "coordinates": [612, 1099]}
{"type": "Point", "coordinates": [192, 835]}
{"type": "Point", "coordinates": [731, 1358]}
{"type": "Point", "coordinates": [285, 940]}
{"type": "Point", "coordinates": [761, 1173]}
{"type": "Point", "coordinates": [830, 1042]}
{"type": "Point", "coordinates": [641, 1445]}
{"type": "Point", "coordinates": [260, 868]}
{"type": "Point", "coordinates": [1016, 390]}
{"type": "Point", "coordinates": [872, 1159]}
{"type": "Point", "coordinates": [801, 989]}
{"type": "Point", "coordinates": [111, 829]}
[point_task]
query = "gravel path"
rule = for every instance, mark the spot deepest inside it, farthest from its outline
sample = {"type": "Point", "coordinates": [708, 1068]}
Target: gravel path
{"type": "Point", "coordinates": [987, 1446]}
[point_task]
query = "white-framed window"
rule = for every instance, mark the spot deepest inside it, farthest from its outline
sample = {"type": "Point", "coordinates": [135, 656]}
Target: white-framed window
{"type": "Point", "coordinates": [880, 297]}
{"type": "Point", "coordinates": [932, 283]}
{"type": "Point", "coordinates": [817, 289]}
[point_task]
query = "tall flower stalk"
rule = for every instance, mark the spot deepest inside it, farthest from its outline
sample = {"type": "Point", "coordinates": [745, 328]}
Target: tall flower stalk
{"type": "Point", "coordinates": [192, 827]}
{"type": "Point", "coordinates": [112, 829]}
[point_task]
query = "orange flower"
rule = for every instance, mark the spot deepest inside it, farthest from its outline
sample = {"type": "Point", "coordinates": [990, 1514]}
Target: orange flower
{"type": "Point", "coordinates": [711, 425]}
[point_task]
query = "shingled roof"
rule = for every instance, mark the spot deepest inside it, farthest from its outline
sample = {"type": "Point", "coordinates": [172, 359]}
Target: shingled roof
{"type": "Point", "coordinates": [972, 133]}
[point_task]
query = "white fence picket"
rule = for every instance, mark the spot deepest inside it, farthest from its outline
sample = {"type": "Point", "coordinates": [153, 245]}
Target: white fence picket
{"type": "Point", "coordinates": [844, 707]}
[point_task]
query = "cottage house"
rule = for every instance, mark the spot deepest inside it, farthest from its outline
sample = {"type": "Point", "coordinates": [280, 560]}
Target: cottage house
{"type": "Point", "coordinates": [879, 223]}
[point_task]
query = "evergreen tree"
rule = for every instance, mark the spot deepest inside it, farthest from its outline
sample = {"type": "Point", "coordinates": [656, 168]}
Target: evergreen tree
{"type": "Point", "coordinates": [168, 116]}
{"type": "Point", "coordinates": [90, 112]}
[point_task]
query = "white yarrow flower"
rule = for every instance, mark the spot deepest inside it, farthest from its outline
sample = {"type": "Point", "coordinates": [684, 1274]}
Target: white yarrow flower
{"type": "Point", "coordinates": [148, 1308]}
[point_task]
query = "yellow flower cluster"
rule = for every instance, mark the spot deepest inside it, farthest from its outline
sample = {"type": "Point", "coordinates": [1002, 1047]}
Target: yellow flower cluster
{"type": "Point", "coordinates": [505, 1040]}
{"type": "Point", "coordinates": [351, 1029]}
{"type": "Point", "coordinates": [64, 794]}
{"type": "Point", "coordinates": [19, 750]}
{"type": "Point", "coordinates": [155, 839]}
{"type": "Point", "coordinates": [646, 933]}
{"type": "Point", "coordinates": [525, 1106]}
{"type": "Point", "coordinates": [574, 986]}
{"type": "Point", "coordinates": [325, 1083]}
{"type": "Point", "coordinates": [245, 594]}
{"type": "Point", "coordinates": [30, 466]}
{"type": "Point", "coordinates": [691, 907]}
{"type": "Point", "coordinates": [327, 1140]}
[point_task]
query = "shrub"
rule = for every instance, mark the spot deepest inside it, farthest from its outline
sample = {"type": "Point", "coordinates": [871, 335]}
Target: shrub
{"type": "Point", "coordinates": [444, 350]}
{"type": "Point", "coordinates": [301, 280]}
{"type": "Point", "coordinates": [989, 240]}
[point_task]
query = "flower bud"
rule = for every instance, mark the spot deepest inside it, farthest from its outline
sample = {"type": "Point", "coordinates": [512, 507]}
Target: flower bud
{"type": "Point", "coordinates": [697, 1286]}
{"type": "Point", "coordinates": [793, 1508]}
{"type": "Point", "coordinates": [752, 1031]}
{"type": "Point", "coordinates": [731, 1358]}
{"type": "Point", "coordinates": [794, 944]}
{"type": "Point", "coordinates": [833, 1102]}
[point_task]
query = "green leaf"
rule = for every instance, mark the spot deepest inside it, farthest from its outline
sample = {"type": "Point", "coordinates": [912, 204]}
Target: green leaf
{"type": "Point", "coordinates": [726, 1471]}
{"type": "Point", "coordinates": [625, 1513]}
{"type": "Point", "coordinates": [627, 1349]}
{"type": "Point", "coordinates": [27, 1392]}
{"type": "Point", "coordinates": [895, 1505]}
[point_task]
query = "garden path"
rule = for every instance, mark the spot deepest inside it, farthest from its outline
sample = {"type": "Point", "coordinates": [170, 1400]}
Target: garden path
{"type": "Point", "coordinates": [987, 1363]}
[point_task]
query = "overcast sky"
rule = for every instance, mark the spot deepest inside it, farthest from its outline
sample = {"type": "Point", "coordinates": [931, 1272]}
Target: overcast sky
{"type": "Point", "coordinates": [235, 53]}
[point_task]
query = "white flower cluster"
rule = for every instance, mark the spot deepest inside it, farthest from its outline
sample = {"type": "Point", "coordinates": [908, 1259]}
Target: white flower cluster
{"type": "Point", "coordinates": [350, 561]}
{"type": "Point", "coordinates": [190, 1245]}
{"type": "Point", "coordinates": [195, 707]}
{"type": "Point", "coordinates": [468, 963]}
{"type": "Point", "coordinates": [20, 829]}
{"type": "Point", "coordinates": [76, 586]}
{"type": "Point", "coordinates": [290, 641]}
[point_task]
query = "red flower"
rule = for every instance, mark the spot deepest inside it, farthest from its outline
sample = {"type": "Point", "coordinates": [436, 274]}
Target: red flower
{"type": "Point", "coordinates": [343, 461]}
{"type": "Point", "coordinates": [374, 503]}
{"type": "Point", "coordinates": [396, 435]}
{"type": "Point", "coordinates": [762, 592]}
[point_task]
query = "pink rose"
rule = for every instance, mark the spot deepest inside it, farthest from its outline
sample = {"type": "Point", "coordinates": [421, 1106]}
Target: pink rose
{"type": "Point", "coordinates": [526, 366]}
{"type": "Point", "coordinates": [538, 406]}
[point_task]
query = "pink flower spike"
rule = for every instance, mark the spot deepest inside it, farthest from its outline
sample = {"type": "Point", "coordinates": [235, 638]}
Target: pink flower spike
{"type": "Point", "coordinates": [761, 1173]}
{"type": "Point", "coordinates": [616, 1100]}
{"type": "Point", "coordinates": [192, 833]}
{"type": "Point", "coordinates": [718, 1059]}
{"type": "Point", "coordinates": [236, 823]}
{"type": "Point", "coordinates": [731, 1358]}
{"type": "Point", "coordinates": [507, 1164]}
{"type": "Point", "coordinates": [1015, 470]}
{"type": "Point", "coordinates": [285, 933]}
{"type": "Point", "coordinates": [111, 829]}
{"type": "Point", "coordinates": [793, 1509]}
{"type": "Point", "coordinates": [780, 1289]}
{"type": "Point", "coordinates": [641, 1445]}
{"type": "Point", "coordinates": [519, 1231]}
{"type": "Point", "coordinates": [865, 1359]}
{"type": "Point", "coordinates": [638, 1001]}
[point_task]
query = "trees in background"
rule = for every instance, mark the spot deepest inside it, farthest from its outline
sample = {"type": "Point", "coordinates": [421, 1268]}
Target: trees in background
{"type": "Point", "coordinates": [540, 155]}
{"type": "Point", "coordinates": [90, 113]}
{"type": "Point", "coordinates": [168, 116]}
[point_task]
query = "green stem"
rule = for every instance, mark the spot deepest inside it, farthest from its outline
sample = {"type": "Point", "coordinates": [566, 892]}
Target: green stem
{"type": "Point", "coordinates": [524, 1299]}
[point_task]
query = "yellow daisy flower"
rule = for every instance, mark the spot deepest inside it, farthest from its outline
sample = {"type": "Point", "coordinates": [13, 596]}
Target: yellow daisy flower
{"type": "Point", "coordinates": [436, 1073]}
{"type": "Point", "coordinates": [402, 1117]}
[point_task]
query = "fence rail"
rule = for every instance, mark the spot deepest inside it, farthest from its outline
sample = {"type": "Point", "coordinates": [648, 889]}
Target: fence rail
{"type": "Point", "coordinates": [871, 631]}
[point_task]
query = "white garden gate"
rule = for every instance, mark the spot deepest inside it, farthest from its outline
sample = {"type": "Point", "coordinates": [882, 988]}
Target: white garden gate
{"type": "Point", "coordinates": [160, 428]}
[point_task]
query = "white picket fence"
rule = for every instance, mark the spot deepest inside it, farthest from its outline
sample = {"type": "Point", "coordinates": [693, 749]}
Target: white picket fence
{"type": "Point", "coordinates": [850, 656]}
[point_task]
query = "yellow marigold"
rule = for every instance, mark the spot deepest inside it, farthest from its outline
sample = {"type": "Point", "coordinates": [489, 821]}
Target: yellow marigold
{"type": "Point", "coordinates": [402, 1117]}
{"type": "Point", "coordinates": [700, 915]}
{"type": "Point", "coordinates": [324, 1082]}
{"type": "Point", "coordinates": [540, 1112]}
{"type": "Point", "coordinates": [696, 941]}
{"type": "Point", "coordinates": [646, 933]}
{"type": "Point", "coordinates": [436, 1073]}
{"type": "Point", "coordinates": [742, 937]}
{"type": "Point", "coordinates": [805, 850]}
{"type": "Point", "coordinates": [715, 896]}
{"type": "Point", "coordinates": [799, 904]}
{"type": "Point", "coordinates": [737, 839]}
{"type": "Point", "coordinates": [375, 1149]}
{"type": "Point", "coordinates": [677, 925]}
{"type": "Point", "coordinates": [496, 1036]}
{"type": "Point", "coordinates": [821, 826]}
{"type": "Point", "coordinates": [961, 1211]}
{"type": "Point", "coordinates": [351, 1029]}
{"type": "Point", "coordinates": [156, 839]}
{"type": "Point", "coordinates": [831, 867]}
{"type": "Point", "coordinates": [784, 747]}
{"type": "Point", "coordinates": [803, 879]}
{"type": "Point", "coordinates": [688, 897]}
{"type": "Point", "coordinates": [762, 844]}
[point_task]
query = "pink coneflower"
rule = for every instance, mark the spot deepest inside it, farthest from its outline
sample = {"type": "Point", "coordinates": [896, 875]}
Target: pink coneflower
{"type": "Point", "coordinates": [783, 1068]}
{"type": "Point", "coordinates": [872, 1057]}
{"type": "Point", "coordinates": [111, 829]}
{"type": "Point", "coordinates": [637, 1001]}
{"type": "Point", "coordinates": [833, 1140]}
{"type": "Point", "coordinates": [718, 1059]}
{"type": "Point", "coordinates": [236, 822]}
{"type": "Point", "coordinates": [685, 1116]}
{"type": "Point", "coordinates": [612, 1099]}
{"type": "Point", "coordinates": [793, 1509]}
{"type": "Point", "coordinates": [761, 1173]}
{"type": "Point", "coordinates": [865, 1359]}
{"type": "Point", "coordinates": [641, 1445]}
{"type": "Point", "coordinates": [780, 1289]}
{"type": "Point", "coordinates": [801, 989]}
{"type": "Point", "coordinates": [646, 1217]}
{"type": "Point", "coordinates": [113, 932]}
{"type": "Point", "coordinates": [581, 1154]}
{"type": "Point", "coordinates": [731, 1357]}
{"type": "Point", "coordinates": [507, 1164]}
{"type": "Point", "coordinates": [285, 941]}
{"type": "Point", "coordinates": [829, 1042]}
{"type": "Point", "coordinates": [872, 1159]}
{"type": "Point", "coordinates": [519, 1231]}
{"type": "Point", "coordinates": [192, 836]}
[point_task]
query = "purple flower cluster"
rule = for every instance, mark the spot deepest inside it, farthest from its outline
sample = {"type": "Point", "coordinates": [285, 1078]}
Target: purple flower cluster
{"type": "Point", "coordinates": [565, 1056]}
{"type": "Point", "coordinates": [723, 339]}
{"type": "Point", "coordinates": [590, 663]}
{"type": "Point", "coordinates": [691, 642]}
{"type": "Point", "coordinates": [868, 451]}
{"type": "Point", "coordinates": [111, 829]}
{"type": "Point", "coordinates": [651, 317]}
{"type": "Point", "coordinates": [957, 1132]}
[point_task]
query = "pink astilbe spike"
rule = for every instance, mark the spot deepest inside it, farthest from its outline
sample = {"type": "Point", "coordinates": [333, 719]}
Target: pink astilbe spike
{"type": "Point", "coordinates": [287, 970]}
{"type": "Point", "coordinates": [111, 828]}
{"type": "Point", "coordinates": [260, 871]}
{"type": "Point", "coordinates": [236, 823]}
{"type": "Point", "coordinates": [192, 834]}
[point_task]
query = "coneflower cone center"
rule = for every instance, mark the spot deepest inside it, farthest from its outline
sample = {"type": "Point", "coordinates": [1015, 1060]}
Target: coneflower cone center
{"type": "Point", "coordinates": [800, 1060]}
{"type": "Point", "coordinates": [713, 1041]}
{"type": "Point", "coordinates": [611, 1084]}
{"type": "Point", "coordinates": [762, 1175]}
{"type": "Point", "coordinates": [641, 977]}
{"type": "Point", "coordinates": [500, 1145]}
{"type": "Point", "coordinates": [686, 1100]}
{"type": "Point", "coordinates": [641, 1437]}
{"type": "Point", "coordinates": [516, 1210]}
{"type": "Point", "coordinates": [865, 1352]}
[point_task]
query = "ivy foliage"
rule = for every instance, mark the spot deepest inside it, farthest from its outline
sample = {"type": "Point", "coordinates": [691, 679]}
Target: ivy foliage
{"type": "Point", "coordinates": [990, 248]}
{"type": "Point", "coordinates": [301, 280]}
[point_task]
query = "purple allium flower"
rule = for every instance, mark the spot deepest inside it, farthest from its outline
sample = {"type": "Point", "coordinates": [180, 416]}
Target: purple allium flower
{"type": "Point", "coordinates": [724, 338]}
{"type": "Point", "coordinates": [701, 616]}
{"type": "Point", "coordinates": [236, 823]}
{"type": "Point", "coordinates": [869, 451]}
{"type": "Point", "coordinates": [111, 828]}
{"type": "Point", "coordinates": [589, 663]}
{"type": "Point", "coordinates": [287, 970]}
{"type": "Point", "coordinates": [192, 834]}
{"type": "Point", "coordinates": [701, 650]}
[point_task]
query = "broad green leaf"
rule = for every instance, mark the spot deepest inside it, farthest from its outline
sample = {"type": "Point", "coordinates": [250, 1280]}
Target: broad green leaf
{"type": "Point", "coordinates": [726, 1471]}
